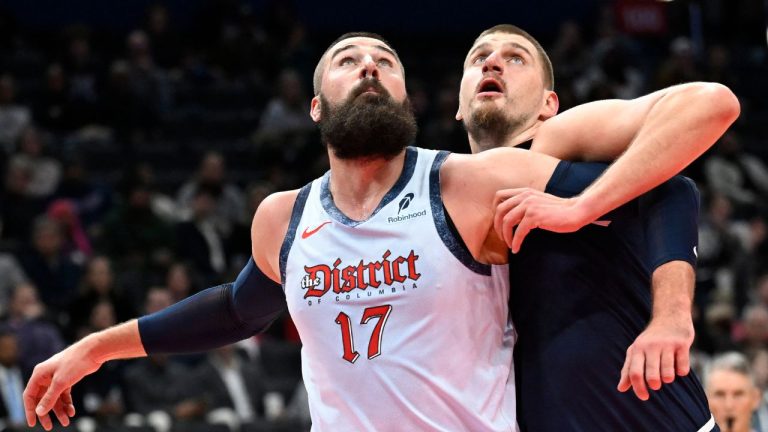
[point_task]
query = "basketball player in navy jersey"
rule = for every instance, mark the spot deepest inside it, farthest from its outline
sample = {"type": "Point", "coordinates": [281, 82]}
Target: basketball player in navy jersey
{"type": "Point", "coordinates": [424, 291]}
{"type": "Point", "coordinates": [581, 302]}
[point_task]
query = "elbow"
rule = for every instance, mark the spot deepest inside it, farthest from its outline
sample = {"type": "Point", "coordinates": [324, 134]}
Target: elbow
{"type": "Point", "coordinates": [723, 103]}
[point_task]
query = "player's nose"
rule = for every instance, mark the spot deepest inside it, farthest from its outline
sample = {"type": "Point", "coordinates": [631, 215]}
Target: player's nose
{"type": "Point", "coordinates": [369, 68]}
{"type": "Point", "coordinates": [493, 63]}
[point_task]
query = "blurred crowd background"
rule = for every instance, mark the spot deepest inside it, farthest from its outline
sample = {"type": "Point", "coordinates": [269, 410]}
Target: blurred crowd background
{"type": "Point", "coordinates": [137, 139]}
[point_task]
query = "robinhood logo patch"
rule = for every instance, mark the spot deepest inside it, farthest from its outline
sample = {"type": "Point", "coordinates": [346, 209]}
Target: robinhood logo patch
{"type": "Point", "coordinates": [405, 202]}
{"type": "Point", "coordinates": [403, 216]}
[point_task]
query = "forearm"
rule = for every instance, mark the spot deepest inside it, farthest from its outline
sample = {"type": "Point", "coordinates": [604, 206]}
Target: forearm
{"type": "Point", "coordinates": [119, 342]}
{"type": "Point", "coordinates": [216, 316]}
{"type": "Point", "coordinates": [672, 292]}
{"type": "Point", "coordinates": [679, 127]}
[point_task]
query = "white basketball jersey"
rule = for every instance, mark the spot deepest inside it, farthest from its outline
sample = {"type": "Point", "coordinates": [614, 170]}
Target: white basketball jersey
{"type": "Point", "coordinates": [402, 329]}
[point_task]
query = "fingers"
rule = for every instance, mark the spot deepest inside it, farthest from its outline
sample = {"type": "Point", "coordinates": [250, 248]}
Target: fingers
{"type": "Point", "coordinates": [637, 376]}
{"type": "Point", "coordinates": [45, 421]}
{"type": "Point", "coordinates": [50, 398]}
{"type": "Point", "coordinates": [60, 411]}
{"type": "Point", "coordinates": [509, 213]}
{"type": "Point", "coordinates": [667, 366]}
{"type": "Point", "coordinates": [652, 376]}
{"type": "Point", "coordinates": [66, 398]}
{"type": "Point", "coordinates": [624, 383]}
{"type": "Point", "coordinates": [30, 402]}
{"type": "Point", "coordinates": [523, 228]}
{"type": "Point", "coordinates": [682, 361]}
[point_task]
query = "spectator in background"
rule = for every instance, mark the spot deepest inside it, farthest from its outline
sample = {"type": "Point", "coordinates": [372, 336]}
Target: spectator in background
{"type": "Point", "coordinates": [49, 267]}
{"type": "Point", "coordinates": [733, 396]}
{"type": "Point", "coordinates": [679, 66]}
{"type": "Point", "coordinates": [738, 175]}
{"type": "Point", "coordinates": [761, 290]}
{"type": "Point", "coordinates": [232, 387]}
{"type": "Point", "coordinates": [719, 66]}
{"type": "Point", "coordinates": [443, 131]}
{"type": "Point", "coordinates": [286, 114]}
{"type": "Point", "coordinates": [199, 240]}
{"type": "Point", "coordinates": [760, 372]}
{"type": "Point", "coordinates": [84, 70]}
{"type": "Point", "coordinates": [38, 338]}
{"type": "Point", "coordinates": [715, 334]}
{"type": "Point", "coordinates": [157, 389]}
{"type": "Point", "coordinates": [44, 172]}
{"type": "Point", "coordinates": [753, 332]}
{"type": "Point", "coordinates": [164, 41]}
{"type": "Point", "coordinates": [98, 285]}
{"type": "Point", "coordinates": [570, 58]}
{"type": "Point", "coordinates": [611, 75]}
{"type": "Point", "coordinates": [178, 280]}
{"type": "Point", "coordinates": [719, 251]}
{"type": "Point", "coordinates": [138, 94]}
{"type": "Point", "coordinates": [77, 244]}
{"type": "Point", "coordinates": [157, 298]}
{"type": "Point", "coordinates": [239, 240]}
{"type": "Point", "coordinates": [12, 275]}
{"type": "Point", "coordinates": [11, 384]}
{"type": "Point", "coordinates": [285, 129]}
{"type": "Point", "coordinates": [92, 200]}
{"type": "Point", "coordinates": [134, 234]}
{"type": "Point", "coordinates": [53, 109]}
{"type": "Point", "coordinates": [14, 118]}
{"type": "Point", "coordinates": [162, 205]}
{"type": "Point", "coordinates": [230, 203]}
{"type": "Point", "coordinates": [18, 208]}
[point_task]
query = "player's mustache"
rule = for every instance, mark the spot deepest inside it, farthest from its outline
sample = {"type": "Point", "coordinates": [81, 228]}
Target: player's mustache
{"type": "Point", "coordinates": [369, 83]}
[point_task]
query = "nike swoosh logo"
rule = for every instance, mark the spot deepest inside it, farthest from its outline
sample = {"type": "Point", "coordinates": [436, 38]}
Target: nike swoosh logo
{"type": "Point", "coordinates": [307, 232]}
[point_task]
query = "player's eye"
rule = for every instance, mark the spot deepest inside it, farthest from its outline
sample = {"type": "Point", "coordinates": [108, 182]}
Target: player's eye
{"type": "Point", "coordinates": [516, 59]}
{"type": "Point", "coordinates": [347, 61]}
{"type": "Point", "coordinates": [479, 59]}
{"type": "Point", "coordinates": [384, 62]}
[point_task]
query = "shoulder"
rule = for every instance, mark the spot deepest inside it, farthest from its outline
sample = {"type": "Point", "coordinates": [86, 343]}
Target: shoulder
{"type": "Point", "coordinates": [276, 207]}
{"type": "Point", "coordinates": [269, 228]}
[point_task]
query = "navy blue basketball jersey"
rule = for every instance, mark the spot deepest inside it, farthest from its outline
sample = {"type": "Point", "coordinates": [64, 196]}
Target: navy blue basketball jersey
{"type": "Point", "coordinates": [578, 301]}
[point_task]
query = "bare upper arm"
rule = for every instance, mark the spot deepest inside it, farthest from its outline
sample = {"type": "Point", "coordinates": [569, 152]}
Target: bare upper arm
{"type": "Point", "coordinates": [268, 230]}
{"type": "Point", "coordinates": [595, 131]}
{"type": "Point", "coordinates": [469, 184]}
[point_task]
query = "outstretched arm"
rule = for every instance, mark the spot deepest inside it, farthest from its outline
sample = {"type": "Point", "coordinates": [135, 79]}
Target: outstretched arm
{"type": "Point", "coordinates": [603, 130]}
{"type": "Point", "coordinates": [214, 317]}
{"type": "Point", "coordinates": [670, 137]}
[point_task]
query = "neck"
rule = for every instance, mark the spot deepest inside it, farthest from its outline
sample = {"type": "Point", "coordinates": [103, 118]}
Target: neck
{"type": "Point", "coordinates": [513, 139]}
{"type": "Point", "coordinates": [358, 185]}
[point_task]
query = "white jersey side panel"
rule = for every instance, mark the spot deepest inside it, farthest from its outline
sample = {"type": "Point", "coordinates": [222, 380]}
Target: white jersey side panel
{"type": "Point", "coordinates": [400, 330]}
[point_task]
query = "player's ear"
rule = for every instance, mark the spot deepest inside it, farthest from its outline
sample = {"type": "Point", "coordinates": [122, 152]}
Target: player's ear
{"type": "Point", "coordinates": [314, 109]}
{"type": "Point", "coordinates": [459, 117]}
{"type": "Point", "coordinates": [550, 106]}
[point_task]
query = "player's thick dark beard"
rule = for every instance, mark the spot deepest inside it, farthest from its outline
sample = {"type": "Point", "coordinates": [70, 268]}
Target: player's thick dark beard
{"type": "Point", "coordinates": [367, 126]}
{"type": "Point", "coordinates": [490, 127]}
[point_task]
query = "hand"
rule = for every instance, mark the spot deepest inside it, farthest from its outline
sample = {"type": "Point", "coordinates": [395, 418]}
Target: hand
{"type": "Point", "coordinates": [51, 383]}
{"type": "Point", "coordinates": [528, 209]}
{"type": "Point", "coordinates": [660, 352]}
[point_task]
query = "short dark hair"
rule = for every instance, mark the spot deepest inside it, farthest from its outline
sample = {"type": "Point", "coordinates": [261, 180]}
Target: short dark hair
{"type": "Point", "coordinates": [548, 72]}
{"type": "Point", "coordinates": [318, 75]}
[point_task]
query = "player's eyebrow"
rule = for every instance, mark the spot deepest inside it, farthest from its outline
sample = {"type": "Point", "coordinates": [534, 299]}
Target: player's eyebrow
{"type": "Point", "coordinates": [351, 46]}
{"type": "Point", "coordinates": [486, 45]}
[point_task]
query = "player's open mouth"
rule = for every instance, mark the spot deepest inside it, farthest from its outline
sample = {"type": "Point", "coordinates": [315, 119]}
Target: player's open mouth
{"type": "Point", "coordinates": [490, 87]}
